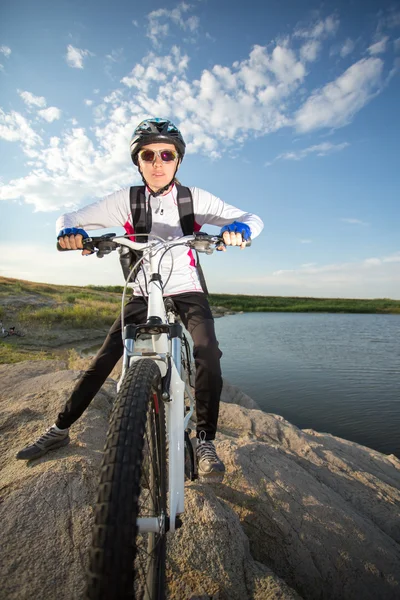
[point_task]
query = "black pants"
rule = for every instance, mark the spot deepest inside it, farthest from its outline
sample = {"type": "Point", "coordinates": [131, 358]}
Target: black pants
{"type": "Point", "coordinates": [196, 316]}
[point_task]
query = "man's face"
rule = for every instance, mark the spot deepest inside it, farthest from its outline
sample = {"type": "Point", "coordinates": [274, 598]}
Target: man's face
{"type": "Point", "coordinates": [158, 173]}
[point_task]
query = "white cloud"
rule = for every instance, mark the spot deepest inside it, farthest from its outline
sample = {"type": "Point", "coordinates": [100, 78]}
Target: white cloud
{"type": "Point", "coordinates": [158, 22]}
{"type": "Point", "coordinates": [32, 100]}
{"type": "Point", "coordinates": [75, 56]}
{"type": "Point", "coordinates": [156, 69]}
{"type": "Point", "coordinates": [1, 67]}
{"type": "Point", "coordinates": [88, 102]}
{"type": "Point", "coordinates": [71, 168]}
{"type": "Point", "coordinates": [347, 48]}
{"type": "Point", "coordinates": [378, 47]}
{"type": "Point", "coordinates": [354, 221]}
{"type": "Point", "coordinates": [393, 258]}
{"type": "Point", "coordinates": [309, 51]}
{"type": "Point", "coordinates": [305, 242]}
{"type": "Point", "coordinates": [367, 278]}
{"type": "Point", "coordinates": [14, 127]}
{"type": "Point", "coordinates": [336, 104]}
{"type": "Point", "coordinates": [5, 50]}
{"type": "Point", "coordinates": [319, 150]}
{"type": "Point", "coordinates": [397, 45]}
{"type": "Point", "coordinates": [115, 56]}
{"type": "Point", "coordinates": [319, 30]}
{"type": "Point", "coordinates": [50, 114]}
{"type": "Point", "coordinates": [248, 99]}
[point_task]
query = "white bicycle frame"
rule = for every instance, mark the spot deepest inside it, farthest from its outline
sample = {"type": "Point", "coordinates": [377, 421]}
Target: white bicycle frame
{"type": "Point", "coordinates": [164, 349]}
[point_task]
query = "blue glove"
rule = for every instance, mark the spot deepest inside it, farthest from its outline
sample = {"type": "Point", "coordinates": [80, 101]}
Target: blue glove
{"type": "Point", "coordinates": [72, 231]}
{"type": "Point", "coordinates": [238, 227]}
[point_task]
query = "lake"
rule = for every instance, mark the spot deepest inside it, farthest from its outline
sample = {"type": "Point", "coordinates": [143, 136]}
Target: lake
{"type": "Point", "coordinates": [335, 373]}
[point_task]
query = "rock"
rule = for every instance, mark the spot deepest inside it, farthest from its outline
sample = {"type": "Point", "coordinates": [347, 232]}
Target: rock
{"type": "Point", "coordinates": [221, 311]}
{"type": "Point", "coordinates": [322, 512]}
{"type": "Point", "coordinates": [46, 505]}
{"type": "Point", "coordinates": [209, 557]}
{"type": "Point", "coordinates": [300, 514]}
{"type": "Point", "coordinates": [234, 395]}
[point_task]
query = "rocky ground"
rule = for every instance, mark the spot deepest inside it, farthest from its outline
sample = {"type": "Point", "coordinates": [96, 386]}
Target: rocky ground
{"type": "Point", "coordinates": [300, 514]}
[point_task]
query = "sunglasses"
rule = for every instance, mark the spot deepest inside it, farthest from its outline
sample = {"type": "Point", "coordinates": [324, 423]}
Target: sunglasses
{"type": "Point", "coordinates": [149, 156]}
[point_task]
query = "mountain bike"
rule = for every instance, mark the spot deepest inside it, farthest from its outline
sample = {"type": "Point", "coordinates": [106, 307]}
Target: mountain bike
{"type": "Point", "coordinates": [12, 331]}
{"type": "Point", "coordinates": [148, 448]}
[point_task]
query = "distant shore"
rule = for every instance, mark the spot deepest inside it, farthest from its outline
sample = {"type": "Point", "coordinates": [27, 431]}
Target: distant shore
{"type": "Point", "coordinates": [56, 317]}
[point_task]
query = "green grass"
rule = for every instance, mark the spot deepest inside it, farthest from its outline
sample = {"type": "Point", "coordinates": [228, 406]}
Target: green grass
{"type": "Point", "coordinates": [94, 314]}
{"type": "Point", "coordinates": [12, 354]}
{"type": "Point", "coordinates": [294, 304]}
{"type": "Point", "coordinates": [72, 306]}
{"type": "Point", "coordinates": [98, 306]}
{"type": "Point", "coordinates": [116, 289]}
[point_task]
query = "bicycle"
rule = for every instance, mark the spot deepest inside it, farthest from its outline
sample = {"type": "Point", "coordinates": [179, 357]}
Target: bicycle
{"type": "Point", "coordinates": [11, 331]}
{"type": "Point", "coordinates": [137, 503]}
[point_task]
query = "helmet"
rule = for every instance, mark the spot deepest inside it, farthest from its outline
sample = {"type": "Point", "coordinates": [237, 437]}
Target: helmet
{"type": "Point", "coordinates": [155, 130]}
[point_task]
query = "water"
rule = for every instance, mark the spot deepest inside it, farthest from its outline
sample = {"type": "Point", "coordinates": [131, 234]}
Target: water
{"type": "Point", "coordinates": [335, 373]}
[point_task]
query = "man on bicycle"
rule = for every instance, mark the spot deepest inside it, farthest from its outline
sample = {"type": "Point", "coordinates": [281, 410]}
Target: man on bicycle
{"type": "Point", "coordinates": [157, 149]}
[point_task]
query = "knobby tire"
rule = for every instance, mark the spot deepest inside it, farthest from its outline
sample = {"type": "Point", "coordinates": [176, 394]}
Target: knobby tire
{"type": "Point", "coordinates": [125, 564]}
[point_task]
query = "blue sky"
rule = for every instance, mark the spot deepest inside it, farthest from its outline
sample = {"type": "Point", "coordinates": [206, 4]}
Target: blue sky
{"type": "Point", "coordinates": [290, 110]}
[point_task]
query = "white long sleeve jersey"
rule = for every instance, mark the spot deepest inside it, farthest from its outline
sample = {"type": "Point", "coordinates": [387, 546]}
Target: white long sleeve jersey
{"type": "Point", "coordinates": [114, 210]}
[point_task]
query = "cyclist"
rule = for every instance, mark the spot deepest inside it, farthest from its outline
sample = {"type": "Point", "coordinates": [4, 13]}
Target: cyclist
{"type": "Point", "coordinates": [157, 149]}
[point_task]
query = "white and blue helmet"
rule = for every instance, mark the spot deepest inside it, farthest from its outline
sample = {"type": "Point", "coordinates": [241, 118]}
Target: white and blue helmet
{"type": "Point", "coordinates": [153, 131]}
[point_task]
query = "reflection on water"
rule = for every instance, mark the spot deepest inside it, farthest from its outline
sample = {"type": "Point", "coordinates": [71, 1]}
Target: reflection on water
{"type": "Point", "coordinates": [334, 373]}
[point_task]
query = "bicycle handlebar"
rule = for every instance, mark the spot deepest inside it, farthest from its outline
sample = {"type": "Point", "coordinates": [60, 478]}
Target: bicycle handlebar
{"type": "Point", "coordinates": [104, 244]}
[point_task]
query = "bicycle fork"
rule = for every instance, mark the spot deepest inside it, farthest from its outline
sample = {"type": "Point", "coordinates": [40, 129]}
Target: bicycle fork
{"type": "Point", "coordinates": [169, 361]}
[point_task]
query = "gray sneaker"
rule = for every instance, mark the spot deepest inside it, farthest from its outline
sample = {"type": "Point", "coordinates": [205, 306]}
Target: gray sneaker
{"type": "Point", "coordinates": [209, 467]}
{"type": "Point", "coordinates": [50, 440]}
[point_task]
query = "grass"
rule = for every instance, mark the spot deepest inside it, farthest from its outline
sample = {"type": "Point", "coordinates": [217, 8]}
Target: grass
{"type": "Point", "coordinates": [50, 307]}
{"type": "Point", "coordinates": [295, 304]}
{"type": "Point", "coordinates": [10, 354]}
{"type": "Point", "coordinates": [76, 315]}
{"type": "Point", "coordinates": [57, 306]}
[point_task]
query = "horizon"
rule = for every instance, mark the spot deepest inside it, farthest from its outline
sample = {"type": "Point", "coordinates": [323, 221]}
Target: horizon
{"type": "Point", "coordinates": [289, 114]}
{"type": "Point", "coordinates": [91, 285]}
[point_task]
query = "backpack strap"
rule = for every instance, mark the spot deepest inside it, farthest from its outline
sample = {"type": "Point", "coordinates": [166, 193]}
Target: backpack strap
{"type": "Point", "coordinates": [141, 216]}
{"type": "Point", "coordinates": [141, 221]}
{"type": "Point", "coordinates": [186, 217]}
{"type": "Point", "coordinates": [185, 208]}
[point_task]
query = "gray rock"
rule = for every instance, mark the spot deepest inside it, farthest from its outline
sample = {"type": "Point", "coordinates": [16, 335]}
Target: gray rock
{"type": "Point", "coordinates": [300, 514]}
{"type": "Point", "coordinates": [231, 394]}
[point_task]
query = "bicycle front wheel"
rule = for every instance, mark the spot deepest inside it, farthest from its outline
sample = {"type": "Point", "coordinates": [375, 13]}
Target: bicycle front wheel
{"type": "Point", "coordinates": [125, 563]}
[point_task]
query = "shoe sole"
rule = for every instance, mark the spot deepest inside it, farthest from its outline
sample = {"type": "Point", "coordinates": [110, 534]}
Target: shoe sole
{"type": "Point", "coordinates": [211, 478]}
{"type": "Point", "coordinates": [45, 450]}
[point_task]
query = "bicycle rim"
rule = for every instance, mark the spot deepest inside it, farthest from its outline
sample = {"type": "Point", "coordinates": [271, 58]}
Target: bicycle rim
{"type": "Point", "coordinates": [124, 563]}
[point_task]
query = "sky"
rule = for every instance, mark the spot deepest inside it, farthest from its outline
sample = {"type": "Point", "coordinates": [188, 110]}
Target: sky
{"type": "Point", "coordinates": [290, 110]}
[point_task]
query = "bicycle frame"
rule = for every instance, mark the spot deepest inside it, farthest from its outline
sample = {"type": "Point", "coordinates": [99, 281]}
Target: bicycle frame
{"type": "Point", "coordinates": [166, 351]}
